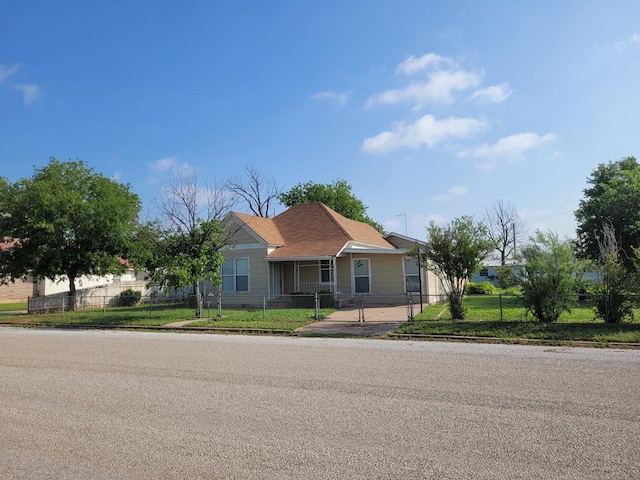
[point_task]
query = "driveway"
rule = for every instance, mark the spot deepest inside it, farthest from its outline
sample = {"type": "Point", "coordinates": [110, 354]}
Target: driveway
{"type": "Point", "coordinates": [378, 321]}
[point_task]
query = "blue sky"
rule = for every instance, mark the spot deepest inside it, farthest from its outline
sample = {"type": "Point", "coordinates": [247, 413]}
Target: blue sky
{"type": "Point", "coordinates": [429, 109]}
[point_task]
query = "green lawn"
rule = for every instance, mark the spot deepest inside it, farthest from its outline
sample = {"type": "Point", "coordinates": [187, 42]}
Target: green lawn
{"type": "Point", "coordinates": [158, 315]}
{"type": "Point", "coordinates": [484, 320]}
{"type": "Point", "coordinates": [10, 307]}
{"type": "Point", "coordinates": [488, 307]}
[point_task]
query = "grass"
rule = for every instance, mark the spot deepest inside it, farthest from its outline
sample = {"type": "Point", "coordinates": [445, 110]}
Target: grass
{"type": "Point", "coordinates": [488, 307]}
{"type": "Point", "coordinates": [280, 319]}
{"type": "Point", "coordinates": [10, 307]}
{"type": "Point", "coordinates": [159, 315]}
{"type": "Point", "coordinates": [569, 331]}
{"type": "Point", "coordinates": [484, 320]}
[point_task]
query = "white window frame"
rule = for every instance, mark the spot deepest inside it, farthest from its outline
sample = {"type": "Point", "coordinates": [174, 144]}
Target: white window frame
{"type": "Point", "coordinates": [326, 266]}
{"type": "Point", "coordinates": [404, 271]}
{"type": "Point", "coordinates": [235, 275]}
{"type": "Point", "coordinates": [353, 274]}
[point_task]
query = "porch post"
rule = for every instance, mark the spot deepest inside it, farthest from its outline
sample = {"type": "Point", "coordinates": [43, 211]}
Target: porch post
{"type": "Point", "coordinates": [269, 277]}
{"type": "Point", "coordinates": [334, 275]}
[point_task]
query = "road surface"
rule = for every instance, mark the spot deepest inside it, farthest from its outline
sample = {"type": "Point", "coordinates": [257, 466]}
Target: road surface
{"type": "Point", "coordinates": [105, 405]}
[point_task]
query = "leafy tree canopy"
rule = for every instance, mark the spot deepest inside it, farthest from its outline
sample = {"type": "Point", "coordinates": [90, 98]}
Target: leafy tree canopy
{"type": "Point", "coordinates": [550, 277]}
{"type": "Point", "coordinates": [613, 197]}
{"type": "Point", "coordinates": [336, 195]}
{"type": "Point", "coordinates": [68, 220]}
{"type": "Point", "coordinates": [454, 252]}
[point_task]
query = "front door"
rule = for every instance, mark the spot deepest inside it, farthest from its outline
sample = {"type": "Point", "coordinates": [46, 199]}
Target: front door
{"type": "Point", "coordinates": [277, 279]}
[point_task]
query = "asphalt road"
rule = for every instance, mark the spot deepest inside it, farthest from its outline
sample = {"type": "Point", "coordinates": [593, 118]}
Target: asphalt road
{"type": "Point", "coordinates": [81, 405]}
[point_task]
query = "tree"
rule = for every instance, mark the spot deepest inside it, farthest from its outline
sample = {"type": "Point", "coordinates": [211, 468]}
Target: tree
{"type": "Point", "coordinates": [336, 195]}
{"type": "Point", "coordinates": [613, 197]}
{"type": "Point", "coordinates": [454, 253]}
{"type": "Point", "coordinates": [612, 293]}
{"type": "Point", "coordinates": [258, 191]}
{"type": "Point", "coordinates": [550, 277]}
{"type": "Point", "coordinates": [67, 220]}
{"type": "Point", "coordinates": [505, 229]}
{"type": "Point", "coordinates": [186, 238]}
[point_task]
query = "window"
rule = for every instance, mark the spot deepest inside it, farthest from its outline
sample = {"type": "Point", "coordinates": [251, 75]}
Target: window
{"type": "Point", "coordinates": [326, 272]}
{"type": "Point", "coordinates": [411, 275]}
{"type": "Point", "coordinates": [361, 275]}
{"type": "Point", "coordinates": [235, 275]}
{"type": "Point", "coordinates": [484, 272]}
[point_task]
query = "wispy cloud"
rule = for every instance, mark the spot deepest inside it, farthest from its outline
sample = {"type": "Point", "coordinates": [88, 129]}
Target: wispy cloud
{"type": "Point", "coordinates": [438, 89]}
{"type": "Point", "coordinates": [6, 71]}
{"type": "Point", "coordinates": [455, 191]}
{"type": "Point", "coordinates": [170, 164]}
{"type": "Point", "coordinates": [633, 41]}
{"type": "Point", "coordinates": [30, 93]}
{"type": "Point", "coordinates": [513, 146]}
{"type": "Point", "coordinates": [493, 94]}
{"type": "Point", "coordinates": [412, 64]}
{"type": "Point", "coordinates": [341, 98]}
{"type": "Point", "coordinates": [427, 130]}
{"type": "Point", "coordinates": [163, 165]}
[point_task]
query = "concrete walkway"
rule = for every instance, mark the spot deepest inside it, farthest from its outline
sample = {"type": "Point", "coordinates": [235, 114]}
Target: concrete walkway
{"type": "Point", "coordinates": [379, 321]}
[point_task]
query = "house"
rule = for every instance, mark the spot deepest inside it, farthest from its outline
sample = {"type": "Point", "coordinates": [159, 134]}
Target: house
{"type": "Point", "coordinates": [21, 289]}
{"type": "Point", "coordinates": [311, 248]}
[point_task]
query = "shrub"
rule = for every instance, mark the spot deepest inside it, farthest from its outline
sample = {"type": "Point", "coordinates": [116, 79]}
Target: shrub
{"type": "Point", "coordinates": [129, 297]}
{"type": "Point", "coordinates": [307, 300]}
{"type": "Point", "coordinates": [484, 288]}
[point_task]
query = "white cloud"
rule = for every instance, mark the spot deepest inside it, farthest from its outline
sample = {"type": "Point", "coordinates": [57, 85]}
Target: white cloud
{"type": "Point", "coordinates": [413, 64]}
{"type": "Point", "coordinates": [455, 191]}
{"type": "Point", "coordinates": [6, 71]}
{"type": "Point", "coordinates": [427, 130]}
{"type": "Point", "coordinates": [493, 94]}
{"type": "Point", "coordinates": [439, 88]}
{"type": "Point", "coordinates": [164, 164]}
{"type": "Point", "coordinates": [512, 146]}
{"type": "Point", "coordinates": [340, 98]}
{"type": "Point", "coordinates": [633, 41]}
{"type": "Point", "coordinates": [30, 93]}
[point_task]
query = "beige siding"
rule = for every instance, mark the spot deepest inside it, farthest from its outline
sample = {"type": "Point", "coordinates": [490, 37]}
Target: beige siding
{"type": "Point", "coordinates": [309, 271]}
{"type": "Point", "coordinates": [257, 269]}
{"type": "Point", "coordinates": [18, 291]}
{"type": "Point", "coordinates": [387, 275]}
{"type": "Point", "coordinates": [343, 268]}
{"type": "Point", "coordinates": [242, 237]}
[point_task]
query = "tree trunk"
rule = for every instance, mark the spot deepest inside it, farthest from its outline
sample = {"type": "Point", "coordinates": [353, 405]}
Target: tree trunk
{"type": "Point", "coordinates": [198, 299]}
{"type": "Point", "coordinates": [72, 292]}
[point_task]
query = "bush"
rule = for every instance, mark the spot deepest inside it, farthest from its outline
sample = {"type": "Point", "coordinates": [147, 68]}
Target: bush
{"type": "Point", "coordinates": [129, 297]}
{"type": "Point", "coordinates": [484, 288]}
{"type": "Point", "coordinates": [307, 300]}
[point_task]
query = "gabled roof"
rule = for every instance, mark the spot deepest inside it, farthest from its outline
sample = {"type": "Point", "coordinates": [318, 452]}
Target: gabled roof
{"type": "Point", "coordinates": [263, 227]}
{"type": "Point", "coordinates": [313, 230]}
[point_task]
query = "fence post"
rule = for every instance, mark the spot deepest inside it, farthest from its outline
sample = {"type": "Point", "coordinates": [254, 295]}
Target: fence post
{"type": "Point", "coordinates": [264, 306]}
{"type": "Point", "coordinates": [410, 306]}
{"type": "Point", "coordinates": [360, 309]}
{"type": "Point", "coordinates": [500, 296]}
{"type": "Point", "coordinates": [316, 305]}
{"type": "Point", "coordinates": [219, 306]}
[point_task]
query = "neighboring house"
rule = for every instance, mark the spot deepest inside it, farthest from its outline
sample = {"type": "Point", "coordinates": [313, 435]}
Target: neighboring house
{"type": "Point", "coordinates": [311, 248]}
{"type": "Point", "coordinates": [22, 289]}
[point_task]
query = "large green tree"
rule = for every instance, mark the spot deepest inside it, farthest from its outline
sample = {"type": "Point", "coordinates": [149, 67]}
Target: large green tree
{"type": "Point", "coordinates": [336, 195]}
{"type": "Point", "coordinates": [454, 252]}
{"type": "Point", "coordinates": [613, 198]}
{"type": "Point", "coordinates": [66, 220]}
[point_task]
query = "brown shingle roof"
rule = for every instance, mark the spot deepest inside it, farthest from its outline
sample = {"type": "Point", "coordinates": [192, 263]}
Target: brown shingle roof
{"type": "Point", "coordinates": [312, 230]}
{"type": "Point", "coordinates": [264, 227]}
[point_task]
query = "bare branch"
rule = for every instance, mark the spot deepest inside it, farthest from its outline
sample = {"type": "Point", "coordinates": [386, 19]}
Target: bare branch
{"type": "Point", "coordinates": [506, 229]}
{"type": "Point", "coordinates": [257, 191]}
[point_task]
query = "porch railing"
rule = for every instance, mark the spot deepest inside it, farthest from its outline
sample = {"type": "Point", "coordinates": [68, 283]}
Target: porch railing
{"type": "Point", "coordinates": [312, 287]}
